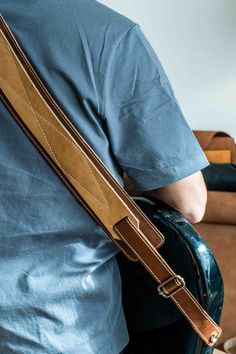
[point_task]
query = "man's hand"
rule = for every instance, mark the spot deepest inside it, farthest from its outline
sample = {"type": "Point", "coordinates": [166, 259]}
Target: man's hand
{"type": "Point", "coordinates": [188, 196]}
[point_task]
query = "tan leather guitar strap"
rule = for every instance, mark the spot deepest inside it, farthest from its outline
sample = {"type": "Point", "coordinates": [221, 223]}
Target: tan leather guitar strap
{"type": "Point", "coordinates": [87, 178]}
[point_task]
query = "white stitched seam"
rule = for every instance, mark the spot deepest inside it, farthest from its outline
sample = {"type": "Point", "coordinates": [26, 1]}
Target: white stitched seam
{"type": "Point", "coordinates": [67, 184]}
{"type": "Point", "coordinates": [196, 304]}
{"type": "Point", "coordinates": [193, 324]}
{"type": "Point", "coordinates": [38, 114]}
{"type": "Point", "coordinates": [116, 230]}
{"type": "Point", "coordinates": [202, 310]}
{"type": "Point", "coordinates": [136, 254]}
{"type": "Point", "coordinates": [46, 157]}
{"type": "Point", "coordinates": [153, 252]}
{"type": "Point", "coordinates": [185, 289]}
{"type": "Point", "coordinates": [96, 158]}
{"type": "Point", "coordinates": [29, 105]}
{"type": "Point", "coordinates": [61, 113]}
{"type": "Point", "coordinates": [189, 294]}
{"type": "Point", "coordinates": [155, 277]}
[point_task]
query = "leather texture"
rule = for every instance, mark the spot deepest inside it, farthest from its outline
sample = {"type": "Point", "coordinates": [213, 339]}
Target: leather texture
{"type": "Point", "coordinates": [62, 146]}
{"type": "Point", "coordinates": [218, 146]}
{"type": "Point", "coordinates": [219, 156]}
{"type": "Point", "coordinates": [91, 183]}
{"type": "Point", "coordinates": [158, 268]}
{"type": "Point", "coordinates": [220, 208]}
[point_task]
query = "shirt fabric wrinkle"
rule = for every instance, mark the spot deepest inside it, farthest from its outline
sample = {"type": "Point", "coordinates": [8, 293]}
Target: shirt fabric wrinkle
{"type": "Point", "coordinates": [60, 283]}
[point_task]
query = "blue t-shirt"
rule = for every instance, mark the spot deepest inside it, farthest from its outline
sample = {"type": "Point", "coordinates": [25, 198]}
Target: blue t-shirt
{"type": "Point", "coordinates": [60, 286]}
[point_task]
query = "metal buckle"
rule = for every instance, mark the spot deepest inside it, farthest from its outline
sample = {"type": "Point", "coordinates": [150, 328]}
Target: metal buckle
{"type": "Point", "coordinates": [180, 283]}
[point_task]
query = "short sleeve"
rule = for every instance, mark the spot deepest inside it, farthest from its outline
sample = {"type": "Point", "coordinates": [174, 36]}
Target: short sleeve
{"type": "Point", "coordinates": [148, 133]}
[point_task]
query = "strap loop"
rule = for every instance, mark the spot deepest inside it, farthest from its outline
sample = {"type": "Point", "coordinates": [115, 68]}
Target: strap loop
{"type": "Point", "coordinates": [179, 281]}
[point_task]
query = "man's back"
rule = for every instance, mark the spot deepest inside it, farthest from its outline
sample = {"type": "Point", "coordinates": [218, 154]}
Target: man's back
{"type": "Point", "coordinates": [56, 263]}
{"type": "Point", "coordinates": [60, 289]}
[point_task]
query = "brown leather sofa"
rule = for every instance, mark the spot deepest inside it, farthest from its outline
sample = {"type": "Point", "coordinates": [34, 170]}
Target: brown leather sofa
{"type": "Point", "coordinates": [218, 229]}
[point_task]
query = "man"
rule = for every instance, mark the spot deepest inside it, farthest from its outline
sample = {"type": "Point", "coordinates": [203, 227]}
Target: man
{"type": "Point", "coordinates": [60, 285]}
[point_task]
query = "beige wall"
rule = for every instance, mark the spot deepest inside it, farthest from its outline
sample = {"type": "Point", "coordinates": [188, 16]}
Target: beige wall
{"type": "Point", "coordinates": [196, 43]}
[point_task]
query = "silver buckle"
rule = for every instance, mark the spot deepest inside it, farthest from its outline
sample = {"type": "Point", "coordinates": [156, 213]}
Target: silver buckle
{"type": "Point", "coordinates": [180, 282]}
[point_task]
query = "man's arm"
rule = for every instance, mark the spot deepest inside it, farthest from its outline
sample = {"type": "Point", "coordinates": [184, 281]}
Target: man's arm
{"type": "Point", "coordinates": [149, 136]}
{"type": "Point", "coordinates": [188, 195]}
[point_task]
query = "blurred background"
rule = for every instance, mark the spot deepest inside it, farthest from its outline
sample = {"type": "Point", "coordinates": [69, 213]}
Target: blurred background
{"type": "Point", "coordinates": [196, 43]}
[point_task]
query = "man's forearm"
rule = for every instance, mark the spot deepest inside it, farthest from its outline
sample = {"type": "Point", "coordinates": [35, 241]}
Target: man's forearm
{"type": "Point", "coordinates": [188, 195]}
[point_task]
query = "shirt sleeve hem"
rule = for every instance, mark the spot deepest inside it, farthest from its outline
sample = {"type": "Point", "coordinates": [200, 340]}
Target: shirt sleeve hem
{"type": "Point", "coordinates": [155, 178]}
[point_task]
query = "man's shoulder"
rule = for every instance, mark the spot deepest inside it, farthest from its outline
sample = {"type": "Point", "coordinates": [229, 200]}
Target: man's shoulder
{"type": "Point", "coordinates": [101, 17]}
{"type": "Point", "coordinates": [107, 12]}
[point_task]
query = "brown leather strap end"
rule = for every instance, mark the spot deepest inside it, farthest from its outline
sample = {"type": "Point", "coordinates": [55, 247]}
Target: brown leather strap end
{"type": "Point", "coordinates": [173, 286]}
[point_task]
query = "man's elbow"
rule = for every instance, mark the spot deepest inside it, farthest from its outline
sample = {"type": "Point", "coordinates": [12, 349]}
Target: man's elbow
{"type": "Point", "coordinates": [195, 200]}
{"type": "Point", "coordinates": [188, 196]}
{"type": "Point", "coordinates": [196, 214]}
